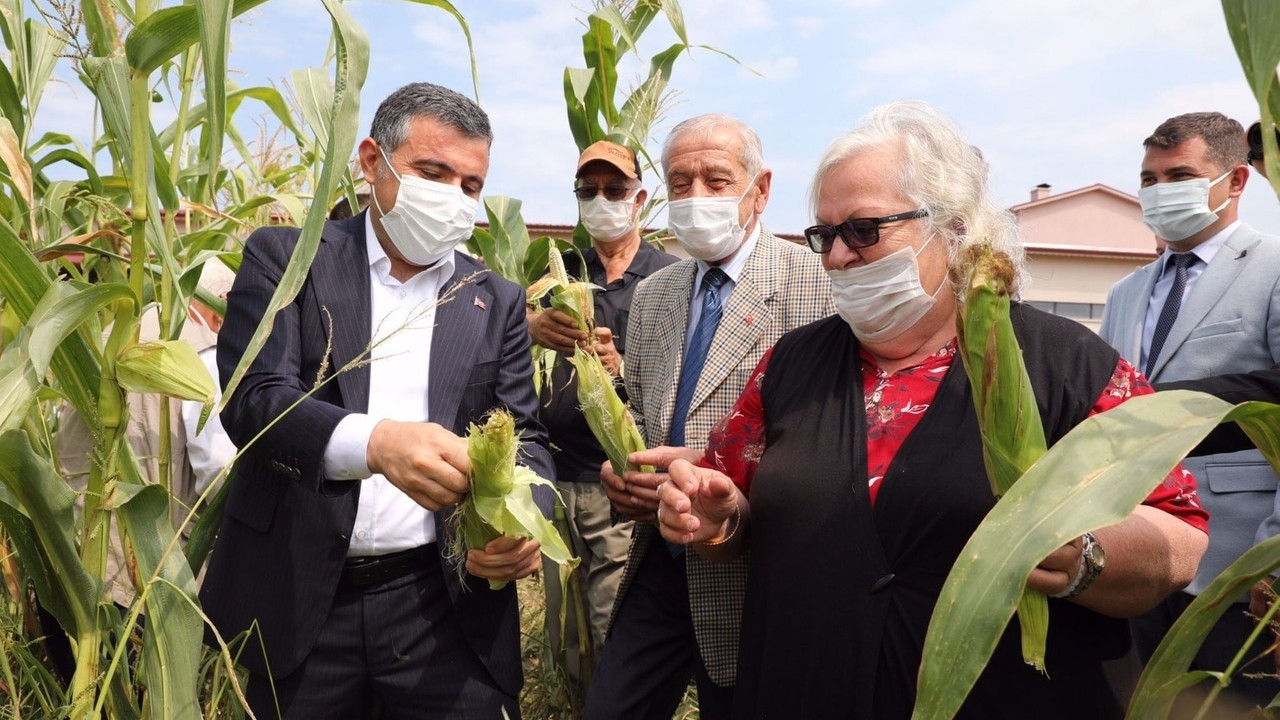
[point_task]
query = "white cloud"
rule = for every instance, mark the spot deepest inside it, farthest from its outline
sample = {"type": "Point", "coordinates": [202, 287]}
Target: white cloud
{"type": "Point", "coordinates": [776, 69]}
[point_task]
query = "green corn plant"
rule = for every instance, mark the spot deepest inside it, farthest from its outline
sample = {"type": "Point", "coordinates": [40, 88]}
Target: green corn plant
{"type": "Point", "coordinates": [500, 501]}
{"type": "Point", "coordinates": [1012, 435]}
{"type": "Point", "coordinates": [80, 260]}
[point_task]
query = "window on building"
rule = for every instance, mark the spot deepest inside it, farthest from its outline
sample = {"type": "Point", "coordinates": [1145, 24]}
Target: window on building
{"type": "Point", "coordinates": [1075, 311]}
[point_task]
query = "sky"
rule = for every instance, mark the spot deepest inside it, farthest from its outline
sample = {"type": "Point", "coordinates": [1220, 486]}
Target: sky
{"type": "Point", "coordinates": [1054, 91]}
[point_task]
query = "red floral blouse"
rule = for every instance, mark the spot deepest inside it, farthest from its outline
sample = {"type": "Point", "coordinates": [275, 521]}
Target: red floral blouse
{"type": "Point", "coordinates": [895, 402]}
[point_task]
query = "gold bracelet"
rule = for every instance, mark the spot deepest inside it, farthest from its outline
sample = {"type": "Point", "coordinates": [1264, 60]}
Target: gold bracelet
{"type": "Point", "coordinates": [735, 522]}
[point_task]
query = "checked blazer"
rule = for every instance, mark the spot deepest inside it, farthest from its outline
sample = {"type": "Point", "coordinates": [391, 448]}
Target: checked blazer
{"type": "Point", "coordinates": [782, 287]}
{"type": "Point", "coordinates": [283, 541]}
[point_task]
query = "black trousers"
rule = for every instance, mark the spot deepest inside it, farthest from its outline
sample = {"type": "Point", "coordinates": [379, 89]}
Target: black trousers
{"type": "Point", "coordinates": [387, 650]}
{"type": "Point", "coordinates": [1215, 654]}
{"type": "Point", "coordinates": [651, 653]}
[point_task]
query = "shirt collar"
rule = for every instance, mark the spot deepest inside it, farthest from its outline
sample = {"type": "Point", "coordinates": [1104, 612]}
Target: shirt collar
{"type": "Point", "coordinates": [381, 264]}
{"type": "Point", "coordinates": [1209, 248]}
{"type": "Point", "coordinates": [734, 265]}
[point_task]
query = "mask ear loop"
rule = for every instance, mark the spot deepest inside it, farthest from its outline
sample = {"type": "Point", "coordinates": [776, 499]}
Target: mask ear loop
{"type": "Point", "coordinates": [1215, 182]}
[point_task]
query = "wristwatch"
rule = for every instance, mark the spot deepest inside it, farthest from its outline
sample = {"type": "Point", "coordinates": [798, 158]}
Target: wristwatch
{"type": "Point", "coordinates": [1093, 560]}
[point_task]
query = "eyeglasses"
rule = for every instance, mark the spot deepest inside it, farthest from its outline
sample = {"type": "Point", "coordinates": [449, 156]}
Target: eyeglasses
{"type": "Point", "coordinates": [612, 193]}
{"type": "Point", "coordinates": [857, 233]}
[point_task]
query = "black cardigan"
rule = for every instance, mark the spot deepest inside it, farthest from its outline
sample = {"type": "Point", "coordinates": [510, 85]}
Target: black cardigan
{"type": "Point", "coordinates": [840, 594]}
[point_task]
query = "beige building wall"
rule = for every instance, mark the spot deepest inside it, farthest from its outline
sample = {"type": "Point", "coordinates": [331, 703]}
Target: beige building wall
{"type": "Point", "coordinates": [1079, 244]}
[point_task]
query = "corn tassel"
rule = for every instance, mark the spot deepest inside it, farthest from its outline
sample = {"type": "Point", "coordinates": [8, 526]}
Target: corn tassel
{"type": "Point", "coordinates": [1012, 433]}
{"type": "Point", "coordinates": [501, 498]}
{"type": "Point", "coordinates": [606, 414]}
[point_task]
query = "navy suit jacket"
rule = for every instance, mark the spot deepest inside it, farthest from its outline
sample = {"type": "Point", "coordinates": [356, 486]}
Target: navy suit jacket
{"type": "Point", "coordinates": [284, 536]}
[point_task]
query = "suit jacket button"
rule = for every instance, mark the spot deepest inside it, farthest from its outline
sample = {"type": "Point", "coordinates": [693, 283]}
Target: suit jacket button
{"type": "Point", "coordinates": [881, 584]}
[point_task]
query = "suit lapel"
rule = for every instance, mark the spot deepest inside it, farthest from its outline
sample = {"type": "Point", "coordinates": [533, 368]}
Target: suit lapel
{"type": "Point", "coordinates": [744, 320]}
{"type": "Point", "coordinates": [340, 279]}
{"type": "Point", "coordinates": [461, 320]}
{"type": "Point", "coordinates": [1209, 288]}
{"type": "Point", "coordinates": [672, 324]}
{"type": "Point", "coordinates": [1135, 311]}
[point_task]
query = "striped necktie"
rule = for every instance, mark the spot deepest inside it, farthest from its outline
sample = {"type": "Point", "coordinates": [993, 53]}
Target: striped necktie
{"type": "Point", "coordinates": [1172, 304]}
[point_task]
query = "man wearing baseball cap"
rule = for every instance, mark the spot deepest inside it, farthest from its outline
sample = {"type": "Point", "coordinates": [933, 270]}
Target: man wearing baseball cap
{"type": "Point", "coordinates": [610, 199]}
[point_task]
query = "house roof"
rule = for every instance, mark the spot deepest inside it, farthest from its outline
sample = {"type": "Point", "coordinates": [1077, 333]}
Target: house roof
{"type": "Point", "coordinates": [1096, 187]}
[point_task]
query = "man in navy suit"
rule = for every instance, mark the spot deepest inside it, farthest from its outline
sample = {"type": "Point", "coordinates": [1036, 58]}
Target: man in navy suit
{"type": "Point", "coordinates": [330, 553]}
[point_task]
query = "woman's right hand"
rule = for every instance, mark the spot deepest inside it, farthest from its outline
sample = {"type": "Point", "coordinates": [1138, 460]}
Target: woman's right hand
{"type": "Point", "coordinates": [695, 504]}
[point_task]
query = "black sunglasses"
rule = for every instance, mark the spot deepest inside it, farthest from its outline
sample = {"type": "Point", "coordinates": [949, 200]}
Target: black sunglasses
{"type": "Point", "coordinates": [857, 233]}
{"type": "Point", "coordinates": [1254, 136]}
{"type": "Point", "coordinates": [612, 193]}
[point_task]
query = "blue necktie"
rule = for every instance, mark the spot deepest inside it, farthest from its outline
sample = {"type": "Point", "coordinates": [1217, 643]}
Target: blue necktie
{"type": "Point", "coordinates": [1173, 303]}
{"type": "Point", "coordinates": [695, 355]}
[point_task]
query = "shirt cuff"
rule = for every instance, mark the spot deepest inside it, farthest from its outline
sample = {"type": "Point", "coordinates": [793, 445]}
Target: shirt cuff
{"type": "Point", "coordinates": [346, 455]}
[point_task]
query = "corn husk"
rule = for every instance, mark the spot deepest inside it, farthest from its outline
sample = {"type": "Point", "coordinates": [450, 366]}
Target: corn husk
{"type": "Point", "coordinates": [568, 296]}
{"type": "Point", "coordinates": [501, 497]}
{"type": "Point", "coordinates": [1012, 434]}
{"type": "Point", "coordinates": [607, 416]}
{"type": "Point", "coordinates": [168, 367]}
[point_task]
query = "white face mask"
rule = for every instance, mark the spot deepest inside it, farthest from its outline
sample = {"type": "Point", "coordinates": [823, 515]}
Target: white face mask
{"type": "Point", "coordinates": [607, 221]}
{"type": "Point", "coordinates": [1175, 211]}
{"type": "Point", "coordinates": [883, 299]}
{"type": "Point", "coordinates": [429, 218]}
{"type": "Point", "coordinates": [707, 227]}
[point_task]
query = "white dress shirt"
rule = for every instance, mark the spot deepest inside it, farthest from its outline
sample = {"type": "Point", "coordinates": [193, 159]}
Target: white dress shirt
{"type": "Point", "coordinates": [732, 268]}
{"type": "Point", "coordinates": [1206, 252]}
{"type": "Point", "coordinates": [402, 319]}
{"type": "Point", "coordinates": [211, 450]}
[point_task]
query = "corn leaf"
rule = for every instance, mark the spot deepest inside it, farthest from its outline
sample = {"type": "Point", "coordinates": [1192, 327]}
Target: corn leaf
{"type": "Point", "coordinates": [1166, 673]}
{"type": "Point", "coordinates": [466, 30]}
{"type": "Point", "coordinates": [352, 47]}
{"type": "Point", "coordinates": [173, 632]}
{"type": "Point", "coordinates": [37, 492]}
{"type": "Point", "coordinates": [1094, 476]}
{"type": "Point", "coordinates": [1254, 26]}
{"type": "Point", "coordinates": [167, 32]}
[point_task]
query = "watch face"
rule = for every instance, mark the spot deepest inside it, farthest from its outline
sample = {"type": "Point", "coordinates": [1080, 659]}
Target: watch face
{"type": "Point", "coordinates": [1095, 555]}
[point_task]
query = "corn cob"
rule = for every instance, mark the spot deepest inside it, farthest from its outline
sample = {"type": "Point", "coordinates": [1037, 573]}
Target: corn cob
{"type": "Point", "coordinates": [1012, 434]}
{"type": "Point", "coordinates": [501, 497]}
{"type": "Point", "coordinates": [168, 367]}
{"type": "Point", "coordinates": [606, 414]}
{"type": "Point", "coordinates": [572, 298]}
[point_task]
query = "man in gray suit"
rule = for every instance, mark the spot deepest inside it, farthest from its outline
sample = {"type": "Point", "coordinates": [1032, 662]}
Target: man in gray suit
{"type": "Point", "coordinates": [696, 331]}
{"type": "Point", "coordinates": [1206, 308]}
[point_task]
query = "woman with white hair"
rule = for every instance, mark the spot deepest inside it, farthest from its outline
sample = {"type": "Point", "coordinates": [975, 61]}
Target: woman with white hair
{"type": "Point", "coordinates": [852, 465]}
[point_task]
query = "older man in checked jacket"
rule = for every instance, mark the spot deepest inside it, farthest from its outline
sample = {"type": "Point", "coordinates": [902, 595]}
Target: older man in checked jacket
{"type": "Point", "coordinates": [689, 357]}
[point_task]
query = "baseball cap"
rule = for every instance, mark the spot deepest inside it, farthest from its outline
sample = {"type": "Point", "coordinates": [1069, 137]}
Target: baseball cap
{"type": "Point", "coordinates": [611, 152]}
